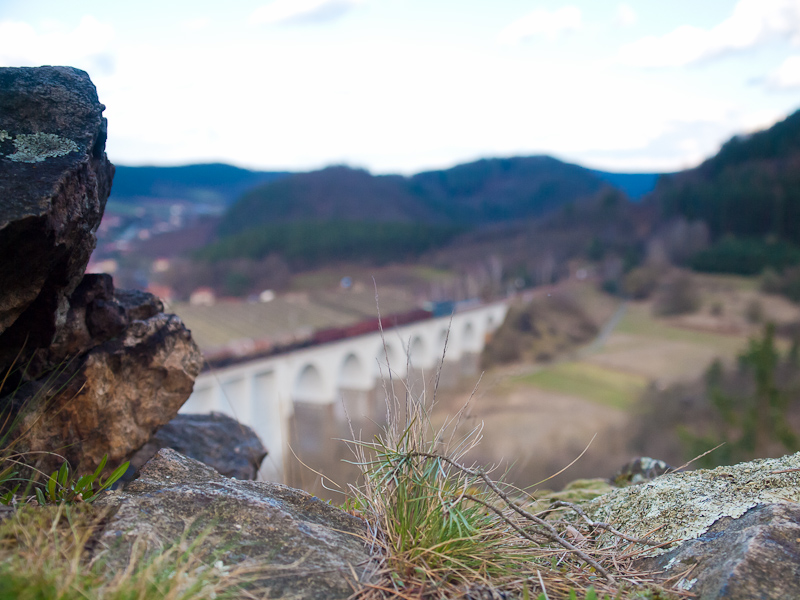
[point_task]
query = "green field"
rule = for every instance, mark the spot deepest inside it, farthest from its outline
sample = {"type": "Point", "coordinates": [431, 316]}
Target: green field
{"type": "Point", "coordinates": [639, 321]}
{"type": "Point", "coordinates": [604, 386]}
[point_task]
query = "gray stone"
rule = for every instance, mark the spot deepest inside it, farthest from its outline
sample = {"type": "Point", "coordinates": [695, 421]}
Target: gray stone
{"type": "Point", "coordinates": [738, 526]}
{"type": "Point", "coordinates": [55, 179]}
{"type": "Point", "coordinates": [93, 317]}
{"type": "Point", "coordinates": [229, 447]}
{"type": "Point", "coordinates": [306, 548]}
{"type": "Point", "coordinates": [682, 506]}
{"type": "Point", "coordinates": [754, 556]}
{"type": "Point", "coordinates": [139, 305]}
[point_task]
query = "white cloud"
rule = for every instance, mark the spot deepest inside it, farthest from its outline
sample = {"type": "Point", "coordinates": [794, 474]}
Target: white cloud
{"type": "Point", "coordinates": [786, 76]}
{"type": "Point", "coordinates": [542, 22]}
{"type": "Point", "coordinates": [87, 46]}
{"type": "Point", "coordinates": [753, 22]}
{"type": "Point", "coordinates": [302, 11]}
{"type": "Point", "coordinates": [626, 16]}
{"type": "Point", "coordinates": [196, 24]}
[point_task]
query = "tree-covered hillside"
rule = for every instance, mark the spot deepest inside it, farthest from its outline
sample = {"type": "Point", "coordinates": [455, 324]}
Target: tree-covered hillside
{"type": "Point", "coordinates": [480, 193]}
{"type": "Point", "coordinates": [335, 193]}
{"type": "Point", "coordinates": [340, 213]}
{"type": "Point", "coordinates": [751, 188]}
{"type": "Point", "coordinates": [305, 244]}
{"type": "Point", "coordinates": [504, 189]}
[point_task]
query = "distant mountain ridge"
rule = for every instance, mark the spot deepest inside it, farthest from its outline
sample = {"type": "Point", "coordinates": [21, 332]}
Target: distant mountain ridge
{"type": "Point", "coordinates": [224, 184]}
{"type": "Point", "coordinates": [478, 193]}
{"type": "Point", "coordinates": [213, 183]}
{"type": "Point", "coordinates": [503, 189]}
{"type": "Point", "coordinates": [334, 193]}
{"type": "Point", "coordinates": [344, 213]}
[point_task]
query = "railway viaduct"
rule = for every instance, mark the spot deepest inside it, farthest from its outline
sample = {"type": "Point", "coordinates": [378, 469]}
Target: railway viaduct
{"type": "Point", "coordinates": [306, 396]}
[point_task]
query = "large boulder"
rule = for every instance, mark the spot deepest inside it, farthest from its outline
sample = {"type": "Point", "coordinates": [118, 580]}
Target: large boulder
{"type": "Point", "coordinates": [728, 533]}
{"type": "Point", "coordinates": [134, 367]}
{"type": "Point", "coordinates": [54, 182]}
{"type": "Point", "coordinates": [304, 548]}
{"type": "Point", "coordinates": [97, 371]}
{"type": "Point", "coordinates": [229, 447]}
{"type": "Point", "coordinates": [754, 556]}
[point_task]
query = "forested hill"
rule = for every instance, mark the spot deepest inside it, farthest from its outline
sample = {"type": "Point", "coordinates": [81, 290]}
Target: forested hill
{"type": "Point", "coordinates": [207, 183]}
{"type": "Point", "coordinates": [504, 189]}
{"type": "Point", "coordinates": [750, 189]}
{"type": "Point", "coordinates": [777, 143]}
{"type": "Point", "coordinates": [478, 193]}
{"type": "Point", "coordinates": [335, 193]}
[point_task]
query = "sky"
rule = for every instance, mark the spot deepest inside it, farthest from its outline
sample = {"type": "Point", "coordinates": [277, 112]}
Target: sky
{"type": "Point", "coordinates": [402, 86]}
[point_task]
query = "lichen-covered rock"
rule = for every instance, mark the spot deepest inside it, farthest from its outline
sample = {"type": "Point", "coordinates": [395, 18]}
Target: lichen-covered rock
{"type": "Point", "coordinates": [577, 492]}
{"type": "Point", "coordinates": [229, 447]}
{"type": "Point", "coordinates": [55, 179]}
{"type": "Point", "coordinates": [305, 548]}
{"type": "Point", "coordinates": [754, 556]}
{"type": "Point", "coordinates": [683, 506]}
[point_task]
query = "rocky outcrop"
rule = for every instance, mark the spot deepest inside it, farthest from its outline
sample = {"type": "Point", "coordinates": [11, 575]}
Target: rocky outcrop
{"type": "Point", "coordinates": [734, 530]}
{"type": "Point", "coordinates": [754, 556]}
{"type": "Point", "coordinates": [224, 444]}
{"type": "Point", "coordinates": [303, 547]}
{"type": "Point", "coordinates": [54, 182]}
{"type": "Point", "coordinates": [133, 379]}
{"type": "Point", "coordinates": [96, 372]}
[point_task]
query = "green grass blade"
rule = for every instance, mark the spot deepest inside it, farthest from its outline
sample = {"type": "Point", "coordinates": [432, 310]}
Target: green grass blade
{"type": "Point", "coordinates": [51, 488]}
{"type": "Point", "coordinates": [100, 467]}
{"type": "Point", "coordinates": [112, 479]}
{"type": "Point", "coordinates": [63, 474]}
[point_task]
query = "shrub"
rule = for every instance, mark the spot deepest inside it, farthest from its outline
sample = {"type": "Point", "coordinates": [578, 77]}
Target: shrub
{"type": "Point", "coordinates": [750, 409]}
{"type": "Point", "coordinates": [754, 313]}
{"type": "Point", "coordinates": [641, 282]}
{"type": "Point", "coordinates": [537, 331]}
{"type": "Point", "coordinates": [678, 296]}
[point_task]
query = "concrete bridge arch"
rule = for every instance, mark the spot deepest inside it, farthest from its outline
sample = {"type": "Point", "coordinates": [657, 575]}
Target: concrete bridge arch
{"type": "Point", "coordinates": [273, 394]}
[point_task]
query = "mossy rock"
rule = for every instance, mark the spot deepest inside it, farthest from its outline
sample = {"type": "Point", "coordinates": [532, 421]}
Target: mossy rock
{"type": "Point", "coordinates": [577, 492]}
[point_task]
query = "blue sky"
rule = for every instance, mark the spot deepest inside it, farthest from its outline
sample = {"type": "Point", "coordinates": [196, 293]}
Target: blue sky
{"type": "Point", "coordinates": [407, 85]}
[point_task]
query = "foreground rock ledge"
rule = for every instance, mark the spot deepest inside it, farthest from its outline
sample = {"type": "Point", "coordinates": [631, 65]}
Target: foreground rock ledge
{"type": "Point", "coordinates": [307, 548]}
{"type": "Point", "coordinates": [739, 527]}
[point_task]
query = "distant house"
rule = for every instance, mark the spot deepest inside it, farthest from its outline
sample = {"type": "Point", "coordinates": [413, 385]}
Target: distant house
{"type": "Point", "coordinates": [202, 296]}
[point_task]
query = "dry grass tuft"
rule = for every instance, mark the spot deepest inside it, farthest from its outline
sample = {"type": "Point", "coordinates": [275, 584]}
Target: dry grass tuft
{"type": "Point", "coordinates": [443, 529]}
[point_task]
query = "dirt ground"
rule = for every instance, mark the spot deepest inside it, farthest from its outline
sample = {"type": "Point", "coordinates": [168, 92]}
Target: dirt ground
{"type": "Point", "coordinates": [530, 434]}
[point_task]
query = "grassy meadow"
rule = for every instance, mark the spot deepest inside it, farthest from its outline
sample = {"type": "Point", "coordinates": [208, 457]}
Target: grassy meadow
{"type": "Point", "coordinates": [539, 417]}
